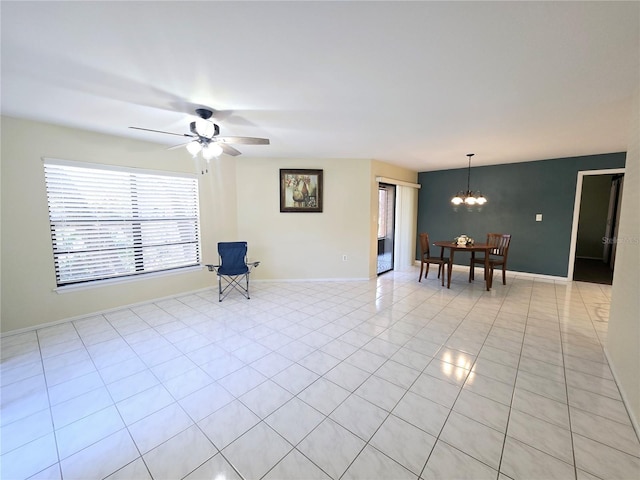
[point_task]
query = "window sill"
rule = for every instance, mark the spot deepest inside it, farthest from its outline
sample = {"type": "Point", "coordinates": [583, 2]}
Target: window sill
{"type": "Point", "coordinates": [118, 281]}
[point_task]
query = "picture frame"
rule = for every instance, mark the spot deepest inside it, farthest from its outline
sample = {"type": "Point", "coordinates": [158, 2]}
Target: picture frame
{"type": "Point", "coordinates": [301, 190]}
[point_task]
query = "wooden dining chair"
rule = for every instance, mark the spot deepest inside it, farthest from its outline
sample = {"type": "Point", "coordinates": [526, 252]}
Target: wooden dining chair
{"type": "Point", "coordinates": [497, 256]}
{"type": "Point", "coordinates": [427, 259]}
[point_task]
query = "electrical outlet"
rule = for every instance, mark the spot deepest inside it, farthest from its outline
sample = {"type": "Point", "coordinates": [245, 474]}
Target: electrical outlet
{"type": "Point", "coordinates": [344, 258]}
{"type": "Point", "coordinates": [538, 217]}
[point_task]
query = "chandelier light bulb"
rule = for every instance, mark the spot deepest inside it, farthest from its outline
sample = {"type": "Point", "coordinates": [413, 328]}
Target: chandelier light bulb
{"type": "Point", "coordinates": [468, 197]}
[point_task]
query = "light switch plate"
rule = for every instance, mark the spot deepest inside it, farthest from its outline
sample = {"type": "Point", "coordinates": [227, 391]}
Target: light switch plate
{"type": "Point", "coordinates": [538, 217]}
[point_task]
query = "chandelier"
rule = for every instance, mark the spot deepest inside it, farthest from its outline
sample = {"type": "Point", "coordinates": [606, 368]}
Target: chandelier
{"type": "Point", "coordinates": [469, 197]}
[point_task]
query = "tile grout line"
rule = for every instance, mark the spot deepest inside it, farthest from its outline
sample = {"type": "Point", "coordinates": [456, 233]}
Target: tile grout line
{"type": "Point", "coordinates": [399, 400]}
{"type": "Point", "coordinates": [249, 322]}
{"type": "Point", "coordinates": [513, 393]}
{"type": "Point", "coordinates": [195, 423]}
{"type": "Point", "coordinates": [353, 393]}
{"type": "Point", "coordinates": [53, 426]}
{"type": "Point", "coordinates": [262, 420]}
{"type": "Point", "coordinates": [636, 432]}
{"type": "Point", "coordinates": [460, 392]}
{"type": "Point", "coordinates": [113, 400]}
{"type": "Point", "coordinates": [566, 388]}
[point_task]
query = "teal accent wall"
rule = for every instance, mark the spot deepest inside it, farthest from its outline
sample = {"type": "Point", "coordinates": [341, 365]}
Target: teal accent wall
{"type": "Point", "coordinates": [515, 193]}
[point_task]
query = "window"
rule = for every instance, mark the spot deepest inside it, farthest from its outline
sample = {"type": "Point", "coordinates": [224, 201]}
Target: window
{"type": "Point", "coordinates": [109, 222]}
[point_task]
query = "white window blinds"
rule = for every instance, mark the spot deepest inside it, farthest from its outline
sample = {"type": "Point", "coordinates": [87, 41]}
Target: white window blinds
{"type": "Point", "coordinates": [108, 222]}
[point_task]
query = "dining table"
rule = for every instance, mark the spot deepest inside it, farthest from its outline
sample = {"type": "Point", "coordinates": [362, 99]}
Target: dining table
{"type": "Point", "coordinates": [475, 247]}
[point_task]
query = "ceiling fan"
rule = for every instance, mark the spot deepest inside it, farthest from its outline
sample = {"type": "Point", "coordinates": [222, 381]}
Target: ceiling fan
{"type": "Point", "coordinates": [205, 137]}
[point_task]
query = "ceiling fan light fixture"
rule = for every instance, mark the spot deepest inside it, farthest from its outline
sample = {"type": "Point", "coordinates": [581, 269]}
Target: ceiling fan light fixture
{"type": "Point", "coordinates": [217, 149]}
{"type": "Point", "coordinates": [207, 154]}
{"type": "Point", "coordinates": [194, 147]}
{"type": "Point", "coordinates": [211, 151]}
{"type": "Point", "coordinates": [457, 200]}
{"type": "Point", "coordinates": [205, 140]}
{"type": "Point", "coordinates": [205, 128]}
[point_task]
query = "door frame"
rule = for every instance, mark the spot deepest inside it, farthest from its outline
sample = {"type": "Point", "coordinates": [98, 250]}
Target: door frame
{"type": "Point", "coordinates": [614, 217]}
{"type": "Point", "coordinates": [406, 224]}
{"type": "Point", "coordinates": [576, 212]}
{"type": "Point", "coordinates": [391, 213]}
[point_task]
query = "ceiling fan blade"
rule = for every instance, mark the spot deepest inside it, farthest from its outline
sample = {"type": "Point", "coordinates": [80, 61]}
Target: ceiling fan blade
{"type": "Point", "coordinates": [178, 146]}
{"type": "Point", "coordinates": [229, 150]}
{"type": "Point", "coordinates": [160, 131]}
{"type": "Point", "coordinates": [244, 140]}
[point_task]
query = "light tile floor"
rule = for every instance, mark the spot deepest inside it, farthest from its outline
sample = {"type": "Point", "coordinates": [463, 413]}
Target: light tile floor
{"type": "Point", "coordinates": [380, 379]}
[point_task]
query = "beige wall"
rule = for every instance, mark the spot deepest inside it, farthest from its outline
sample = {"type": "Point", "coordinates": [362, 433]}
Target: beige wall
{"type": "Point", "coordinates": [239, 200]}
{"type": "Point", "coordinates": [311, 245]}
{"type": "Point", "coordinates": [306, 245]}
{"type": "Point", "coordinates": [623, 343]}
{"type": "Point", "coordinates": [28, 278]}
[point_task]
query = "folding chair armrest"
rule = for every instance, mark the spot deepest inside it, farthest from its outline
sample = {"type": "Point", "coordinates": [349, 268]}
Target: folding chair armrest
{"type": "Point", "coordinates": [253, 264]}
{"type": "Point", "coordinates": [213, 268]}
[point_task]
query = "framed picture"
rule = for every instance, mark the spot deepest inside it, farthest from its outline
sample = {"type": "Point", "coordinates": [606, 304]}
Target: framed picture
{"type": "Point", "coordinates": [300, 190]}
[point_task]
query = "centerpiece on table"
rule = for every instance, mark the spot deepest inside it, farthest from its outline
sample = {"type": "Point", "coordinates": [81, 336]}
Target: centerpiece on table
{"type": "Point", "coordinates": [464, 240]}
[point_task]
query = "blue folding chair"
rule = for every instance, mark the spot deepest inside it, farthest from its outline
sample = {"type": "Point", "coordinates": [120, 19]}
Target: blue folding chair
{"type": "Point", "coordinates": [233, 266]}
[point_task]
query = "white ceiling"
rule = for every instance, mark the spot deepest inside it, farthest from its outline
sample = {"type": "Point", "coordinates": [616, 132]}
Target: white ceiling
{"type": "Point", "coordinates": [418, 84]}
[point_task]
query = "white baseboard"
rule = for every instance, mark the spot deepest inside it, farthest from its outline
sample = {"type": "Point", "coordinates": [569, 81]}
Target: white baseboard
{"type": "Point", "coordinates": [625, 400]}
{"type": "Point", "coordinates": [290, 280]}
{"type": "Point", "coordinates": [512, 273]}
{"type": "Point", "coordinates": [539, 276]}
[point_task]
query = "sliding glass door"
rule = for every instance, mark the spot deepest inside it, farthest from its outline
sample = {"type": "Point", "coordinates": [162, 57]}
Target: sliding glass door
{"type": "Point", "coordinates": [386, 226]}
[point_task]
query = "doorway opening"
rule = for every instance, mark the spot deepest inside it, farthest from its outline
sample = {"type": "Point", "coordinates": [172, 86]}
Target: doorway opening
{"type": "Point", "coordinates": [386, 226]}
{"type": "Point", "coordinates": [595, 227]}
